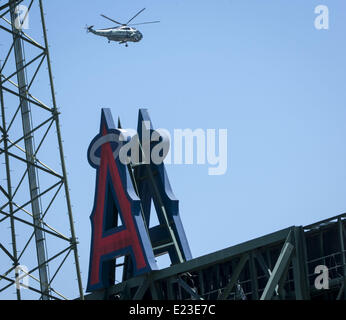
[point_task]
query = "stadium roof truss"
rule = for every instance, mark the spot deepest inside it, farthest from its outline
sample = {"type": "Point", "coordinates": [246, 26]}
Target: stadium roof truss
{"type": "Point", "coordinates": [280, 265]}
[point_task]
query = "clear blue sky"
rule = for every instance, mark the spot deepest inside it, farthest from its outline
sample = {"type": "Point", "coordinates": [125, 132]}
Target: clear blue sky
{"type": "Point", "coordinates": [258, 68]}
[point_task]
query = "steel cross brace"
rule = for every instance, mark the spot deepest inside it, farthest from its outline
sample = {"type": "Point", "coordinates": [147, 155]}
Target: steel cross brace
{"type": "Point", "coordinates": [279, 268]}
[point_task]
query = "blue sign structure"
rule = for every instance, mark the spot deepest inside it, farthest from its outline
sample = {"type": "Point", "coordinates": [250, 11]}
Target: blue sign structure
{"type": "Point", "coordinates": [122, 208]}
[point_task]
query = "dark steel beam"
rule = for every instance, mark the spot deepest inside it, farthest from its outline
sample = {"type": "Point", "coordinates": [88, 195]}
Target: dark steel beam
{"type": "Point", "coordinates": [168, 274]}
{"type": "Point", "coordinates": [253, 275]}
{"type": "Point", "coordinates": [299, 263]}
{"type": "Point", "coordinates": [142, 289]}
{"type": "Point", "coordinates": [342, 249]}
{"type": "Point", "coordinates": [278, 271]}
{"type": "Point", "coordinates": [188, 289]}
{"type": "Point", "coordinates": [235, 275]}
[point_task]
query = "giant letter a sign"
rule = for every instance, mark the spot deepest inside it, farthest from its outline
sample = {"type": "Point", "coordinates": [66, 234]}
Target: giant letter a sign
{"type": "Point", "coordinates": [114, 198]}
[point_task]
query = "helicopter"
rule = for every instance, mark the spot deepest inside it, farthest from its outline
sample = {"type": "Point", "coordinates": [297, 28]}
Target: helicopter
{"type": "Point", "coordinates": [124, 33]}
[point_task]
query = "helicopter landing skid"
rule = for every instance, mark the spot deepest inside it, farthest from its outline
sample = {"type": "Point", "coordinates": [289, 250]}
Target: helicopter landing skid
{"type": "Point", "coordinates": [121, 42]}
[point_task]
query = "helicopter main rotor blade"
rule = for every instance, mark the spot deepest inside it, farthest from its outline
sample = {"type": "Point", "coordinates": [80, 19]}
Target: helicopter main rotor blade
{"type": "Point", "coordinates": [137, 24]}
{"type": "Point", "coordinates": [102, 15]}
{"type": "Point", "coordinates": [111, 28]}
{"type": "Point", "coordinates": [135, 16]}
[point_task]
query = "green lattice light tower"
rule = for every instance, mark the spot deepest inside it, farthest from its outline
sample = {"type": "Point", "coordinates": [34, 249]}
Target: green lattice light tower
{"type": "Point", "coordinates": [38, 246]}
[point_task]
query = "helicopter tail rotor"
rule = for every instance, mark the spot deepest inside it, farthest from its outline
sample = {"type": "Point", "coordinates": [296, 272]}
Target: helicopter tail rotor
{"type": "Point", "coordinates": [88, 28]}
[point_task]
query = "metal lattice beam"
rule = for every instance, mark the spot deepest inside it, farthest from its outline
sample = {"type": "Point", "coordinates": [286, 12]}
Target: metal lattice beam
{"type": "Point", "coordinates": [25, 165]}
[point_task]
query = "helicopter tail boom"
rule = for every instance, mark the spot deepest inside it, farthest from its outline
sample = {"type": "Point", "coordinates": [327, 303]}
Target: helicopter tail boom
{"type": "Point", "coordinates": [89, 29]}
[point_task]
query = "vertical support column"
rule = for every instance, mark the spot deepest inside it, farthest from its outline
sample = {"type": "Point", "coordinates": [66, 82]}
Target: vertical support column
{"type": "Point", "coordinates": [170, 293]}
{"type": "Point", "coordinates": [342, 248]}
{"type": "Point", "coordinates": [253, 274]}
{"type": "Point", "coordinates": [301, 281]}
{"type": "Point", "coordinates": [201, 282]}
{"type": "Point", "coordinates": [9, 185]}
{"type": "Point", "coordinates": [155, 290]}
{"type": "Point", "coordinates": [30, 155]}
{"type": "Point", "coordinates": [62, 159]}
